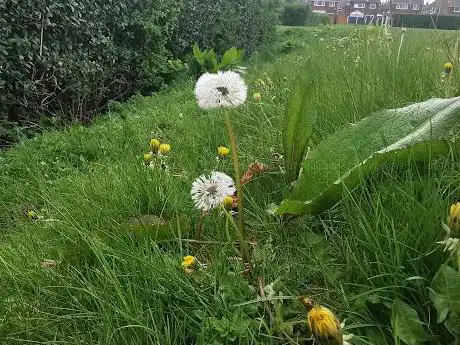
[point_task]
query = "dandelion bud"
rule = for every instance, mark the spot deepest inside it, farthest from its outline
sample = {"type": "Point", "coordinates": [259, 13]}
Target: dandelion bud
{"type": "Point", "coordinates": [257, 97]}
{"type": "Point", "coordinates": [223, 151]}
{"type": "Point", "coordinates": [32, 215]}
{"type": "Point", "coordinates": [164, 149]}
{"type": "Point", "coordinates": [148, 157]}
{"type": "Point", "coordinates": [228, 202]}
{"type": "Point", "coordinates": [453, 220]}
{"type": "Point", "coordinates": [154, 145]}
{"type": "Point", "coordinates": [448, 67]}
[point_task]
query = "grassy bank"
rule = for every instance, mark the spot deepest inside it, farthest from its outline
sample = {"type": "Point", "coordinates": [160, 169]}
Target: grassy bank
{"type": "Point", "coordinates": [117, 284]}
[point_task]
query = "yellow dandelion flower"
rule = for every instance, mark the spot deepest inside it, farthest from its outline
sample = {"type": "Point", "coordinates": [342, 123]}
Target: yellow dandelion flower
{"type": "Point", "coordinates": [223, 151]}
{"type": "Point", "coordinates": [453, 220]}
{"type": "Point", "coordinates": [188, 261]}
{"type": "Point", "coordinates": [148, 157]}
{"type": "Point", "coordinates": [228, 202]}
{"type": "Point", "coordinates": [154, 145]}
{"type": "Point", "coordinates": [448, 67]}
{"type": "Point", "coordinates": [257, 97]}
{"type": "Point", "coordinates": [164, 149]}
{"type": "Point", "coordinates": [322, 323]}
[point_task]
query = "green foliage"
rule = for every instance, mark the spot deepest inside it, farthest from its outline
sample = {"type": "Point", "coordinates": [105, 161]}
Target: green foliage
{"type": "Point", "coordinates": [221, 24]}
{"type": "Point", "coordinates": [296, 14]}
{"type": "Point", "coordinates": [340, 162]}
{"type": "Point", "coordinates": [207, 61]}
{"type": "Point", "coordinates": [318, 19]}
{"type": "Point", "coordinates": [67, 59]}
{"type": "Point", "coordinates": [298, 126]}
{"type": "Point", "coordinates": [426, 21]}
{"type": "Point", "coordinates": [445, 295]}
{"type": "Point", "coordinates": [407, 325]}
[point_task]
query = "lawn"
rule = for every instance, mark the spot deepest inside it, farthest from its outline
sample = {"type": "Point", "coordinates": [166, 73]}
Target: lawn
{"type": "Point", "coordinates": [83, 271]}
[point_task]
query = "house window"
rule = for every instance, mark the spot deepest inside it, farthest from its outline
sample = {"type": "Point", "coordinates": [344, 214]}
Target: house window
{"type": "Point", "coordinates": [402, 6]}
{"type": "Point", "coordinates": [319, 3]}
{"type": "Point", "coordinates": [372, 6]}
{"type": "Point", "coordinates": [332, 4]}
{"type": "Point", "coordinates": [456, 9]}
{"type": "Point", "coordinates": [415, 7]}
{"type": "Point", "coordinates": [359, 5]}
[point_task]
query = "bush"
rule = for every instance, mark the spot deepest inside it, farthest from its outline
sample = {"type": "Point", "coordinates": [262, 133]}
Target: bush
{"type": "Point", "coordinates": [316, 19]}
{"type": "Point", "coordinates": [66, 59]}
{"type": "Point", "coordinates": [426, 21]}
{"type": "Point", "coordinates": [221, 24]}
{"type": "Point", "coordinates": [295, 14]}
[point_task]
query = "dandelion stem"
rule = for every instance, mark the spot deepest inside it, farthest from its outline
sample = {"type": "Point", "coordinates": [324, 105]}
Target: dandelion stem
{"type": "Point", "coordinates": [400, 46]}
{"type": "Point", "coordinates": [239, 189]}
{"type": "Point", "coordinates": [199, 227]}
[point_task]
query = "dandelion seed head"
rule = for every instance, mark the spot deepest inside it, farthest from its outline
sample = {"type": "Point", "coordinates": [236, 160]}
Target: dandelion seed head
{"type": "Point", "coordinates": [209, 192]}
{"type": "Point", "coordinates": [222, 89]}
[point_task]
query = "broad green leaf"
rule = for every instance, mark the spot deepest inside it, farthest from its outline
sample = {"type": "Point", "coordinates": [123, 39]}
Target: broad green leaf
{"type": "Point", "coordinates": [210, 61]}
{"type": "Point", "coordinates": [445, 295]}
{"type": "Point", "coordinates": [198, 54]}
{"type": "Point", "coordinates": [156, 228]}
{"type": "Point", "coordinates": [407, 325]}
{"type": "Point", "coordinates": [231, 57]}
{"type": "Point", "coordinates": [339, 163]}
{"type": "Point", "coordinates": [298, 126]}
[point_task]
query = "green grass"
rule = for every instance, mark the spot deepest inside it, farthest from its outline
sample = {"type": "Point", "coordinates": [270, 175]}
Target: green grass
{"type": "Point", "coordinates": [113, 287]}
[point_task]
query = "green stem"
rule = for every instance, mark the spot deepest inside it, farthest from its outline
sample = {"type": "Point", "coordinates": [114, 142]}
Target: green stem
{"type": "Point", "coordinates": [239, 189]}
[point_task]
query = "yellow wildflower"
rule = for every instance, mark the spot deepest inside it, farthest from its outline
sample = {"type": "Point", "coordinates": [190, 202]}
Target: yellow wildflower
{"type": "Point", "coordinates": [32, 214]}
{"type": "Point", "coordinates": [154, 145]}
{"type": "Point", "coordinates": [448, 67]}
{"type": "Point", "coordinates": [257, 97]}
{"type": "Point", "coordinates": [188, 261]}
{"type": "Point", "coordinates": [322, 323]}
{"type": "Point", "coordinates": [164, 149]}
{"type": "Point", "coordinates": [228, 202]}
{"type": "Point", "coordinates": [223, 151]}
{"type": "Point", "coordinates": [453, 220]}
{"type": "Point", "coordinates": [148, 157]}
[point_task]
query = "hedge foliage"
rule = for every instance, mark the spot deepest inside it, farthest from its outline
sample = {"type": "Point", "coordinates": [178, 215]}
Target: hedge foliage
{"type": "Point", "coordinates": [295, 14]}
{"type": "Point", "coordinates": [300, 14]}
{"type": "Point", "coordinates": [65, 60]}
{"type": "Point", "coordinates": [426, 21]}
{"type": "Point", "coordinates": [221, 24]}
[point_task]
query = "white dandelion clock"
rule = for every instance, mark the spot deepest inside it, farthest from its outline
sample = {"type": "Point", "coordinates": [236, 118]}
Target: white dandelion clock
{"type": "Point", "coordinates": [222, 89]}
{"type": "Point", "coordinates": [208, 192]}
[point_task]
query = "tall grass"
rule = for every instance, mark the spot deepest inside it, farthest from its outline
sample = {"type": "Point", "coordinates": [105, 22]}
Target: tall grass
{"type": "Point", "coordinates": [114, 288]}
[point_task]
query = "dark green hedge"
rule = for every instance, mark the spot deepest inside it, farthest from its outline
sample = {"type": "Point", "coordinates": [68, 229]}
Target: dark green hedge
{"type": "Point", "coordinates": [64, 60]}
{"type": "Point", "coordinates": [295, 14]}
{"type": "Point", "coordinates": [221, 24]}
{"type": "Point", "coordinates": [427, 21]}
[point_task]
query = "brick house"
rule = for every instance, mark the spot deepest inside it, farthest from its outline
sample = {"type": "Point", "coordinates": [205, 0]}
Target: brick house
{"type": "Point", "coordinates": [364, 11]}
{"type": "Point", "coordinates": [443, 7]}
{"type": "Point", "coordinates": [406, 6]}
{"type": "Point", "coordinates": [353, 11]}
{"type": "Point", "coordinates": [325, 6]}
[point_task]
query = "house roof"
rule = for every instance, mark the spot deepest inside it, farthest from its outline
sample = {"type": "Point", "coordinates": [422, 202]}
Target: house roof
{"type": "Point", "coordinates": [410, 2]}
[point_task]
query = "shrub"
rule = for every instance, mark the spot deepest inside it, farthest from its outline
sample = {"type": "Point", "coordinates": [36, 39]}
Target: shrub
{"type": "Point", "coordinates": [67, 59]}
{"type": "Point", "coordinates": [295, 14]}
{"type": "Point", "coordinates": [426, 21]}
{"type": "Point", "coordinates": [316, 19]}
{"type": "Point", "coordinates": [221, 24]}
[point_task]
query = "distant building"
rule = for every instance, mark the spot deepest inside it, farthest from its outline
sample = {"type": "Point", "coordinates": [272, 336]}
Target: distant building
{"type": "Point", "coordinates": [443, 7]}
{"type": "Point", "coordinates": [364, 11]}
{"type": "Point", "coordinates": [406, 6]}
{"type": "Point", "coordinates": [325, 6]}
{"type": "Point", "coordinates": [351, 11]}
